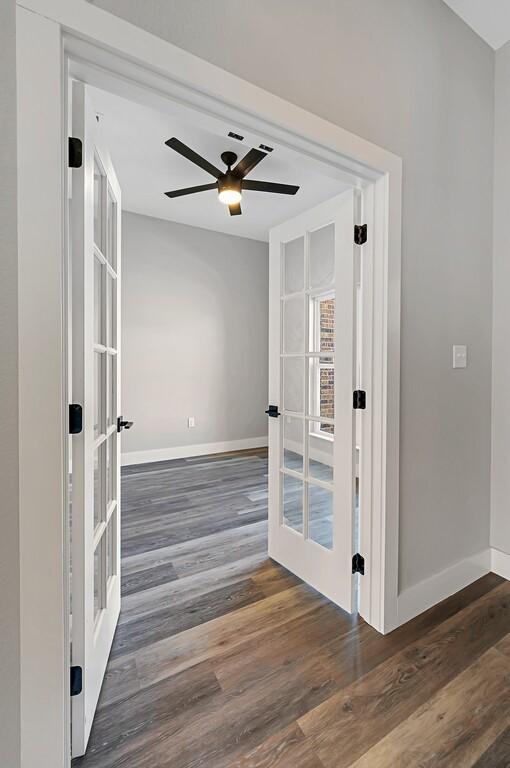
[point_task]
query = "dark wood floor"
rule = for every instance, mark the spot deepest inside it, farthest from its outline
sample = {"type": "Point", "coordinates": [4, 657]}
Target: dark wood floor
{"type": "Point", "coordinates": [224, 659]}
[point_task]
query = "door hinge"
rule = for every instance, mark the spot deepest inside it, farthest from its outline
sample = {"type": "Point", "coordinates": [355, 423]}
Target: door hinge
{"type": "Point", "coordinates": [75, 418]}
{"type": "Point", "coordinates": [76, 681]}
{"type": "Point", "coordinates": [273, 411]}
{"type": "Point", "coordinates": [360, 234]}
{"type": "Point", "coordinates": [358, 564]}
{"type": "Point", "coordinates": [359, 400]}
{"type": "Point", "coordinates": [75, 152]}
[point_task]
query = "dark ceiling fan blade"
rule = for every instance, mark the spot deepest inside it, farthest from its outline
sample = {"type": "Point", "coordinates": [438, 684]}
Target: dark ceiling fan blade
{"type": "Point", "coordinates": [270, 186]}
{"type": "Point", "coordinates": [189, 154]}
{"type": "Point", "coordinates": [235, 209]}
{"type": "Point", "coordinates": [191, 190]}
{"type": "Point", "coordinates": [249, 161]}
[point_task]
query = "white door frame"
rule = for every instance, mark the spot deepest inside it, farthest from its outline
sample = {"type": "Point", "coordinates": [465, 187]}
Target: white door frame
{"type": "Point", "coordinates": [47, 30]}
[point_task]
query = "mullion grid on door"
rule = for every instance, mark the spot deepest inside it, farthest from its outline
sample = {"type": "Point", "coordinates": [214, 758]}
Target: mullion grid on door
{"type": "Point", "coordinates": [307, 416]}
{"type": "Point", "coordinates": [108, 351]}
{"type": "Point", "coordinates": [285, 297]}
{"type": "Point", "coordinates": [111, 382]}
{"type": "Point", "coordinates": [100, 443]}
{"type": "Point", "coordinates": [314, 352]}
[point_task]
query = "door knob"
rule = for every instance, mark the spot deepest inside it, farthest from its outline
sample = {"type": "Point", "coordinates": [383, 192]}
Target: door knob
{"type": "Point", "coordinates": [123, 424]}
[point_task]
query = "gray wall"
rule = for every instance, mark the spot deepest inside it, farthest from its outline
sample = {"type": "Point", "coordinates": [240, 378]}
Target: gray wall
{"type": "Point", "coordinates": [194, 334]}
{"type": "Point", "coordinates": [410, 76]}
{"type": "Point", "coordinates": [9, 524]}
{"type": "Point", "coordinates": [500, 517]}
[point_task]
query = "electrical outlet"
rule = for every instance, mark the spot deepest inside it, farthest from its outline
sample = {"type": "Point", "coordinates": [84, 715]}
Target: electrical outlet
{"type": "Point", "coordinates": [191, 422]}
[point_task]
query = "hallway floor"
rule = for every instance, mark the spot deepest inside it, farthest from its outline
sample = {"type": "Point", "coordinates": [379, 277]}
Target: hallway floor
{"type": "Point", "coordinates": [222, 658]}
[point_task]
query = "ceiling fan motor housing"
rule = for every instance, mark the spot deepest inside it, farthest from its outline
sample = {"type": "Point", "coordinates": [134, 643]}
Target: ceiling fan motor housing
{"type": "Point", "coordinates": [229, 182]}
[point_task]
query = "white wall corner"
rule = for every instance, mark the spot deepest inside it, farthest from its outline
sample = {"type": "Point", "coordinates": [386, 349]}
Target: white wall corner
{"type": "Point", "coordinates": [500, 563]}
{"type": "Point", "coordinates": [429, 592]}
{"type": "Point", "coordinates": [188, 451]}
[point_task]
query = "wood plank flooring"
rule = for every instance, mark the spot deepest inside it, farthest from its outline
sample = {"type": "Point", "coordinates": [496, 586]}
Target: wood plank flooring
{"type": "Point", "coordinates": [223, 659]}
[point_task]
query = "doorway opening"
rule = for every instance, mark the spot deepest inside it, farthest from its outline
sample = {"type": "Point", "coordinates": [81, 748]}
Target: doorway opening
{"type": "Point", "coordinates": [363, 168]}
{"type": "Point", "coordinates": [176, 313]}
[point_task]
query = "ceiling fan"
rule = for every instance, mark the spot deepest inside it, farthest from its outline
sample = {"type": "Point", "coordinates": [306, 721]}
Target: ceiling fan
{"type": "Point", "coordinates": [231, 183]}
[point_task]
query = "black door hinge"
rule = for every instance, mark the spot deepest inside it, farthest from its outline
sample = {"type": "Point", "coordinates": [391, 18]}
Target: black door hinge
{"type": "Point", "coordinates": [76, 681]}
{"type": "Point", "coordinates": [360, 234]}
{"type": "Point", "coordinates": [359, 400]}
{"type": "Point", "coordinates": [75, 418]}
{"type": "Point", "coordinates": [75, 152]}
{"type": "Point", "coordinates": [358, 564]}
{"type": "Point", "coordinates": [273, 411]}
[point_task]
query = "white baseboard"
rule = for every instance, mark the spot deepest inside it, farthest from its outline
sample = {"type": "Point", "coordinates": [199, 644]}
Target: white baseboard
{"type": "Point", "coordinates": [500, 563]}
{"type": "Point", "coordinates": [188, 451]}
{"type": "Point", "coordinates": [425, 594]}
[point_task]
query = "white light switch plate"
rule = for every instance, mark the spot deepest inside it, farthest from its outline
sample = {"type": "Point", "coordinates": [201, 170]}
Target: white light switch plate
{"type": "Point", "coordinates": [459, 356]}
{"type": "Point", "coordinates": [191, 422]}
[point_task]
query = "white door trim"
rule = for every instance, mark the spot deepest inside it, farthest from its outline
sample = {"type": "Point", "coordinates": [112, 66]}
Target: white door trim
{"type": "Point", "coordinates": [161, 70]}
{"type": "Point", "coordinates": [43, 462]}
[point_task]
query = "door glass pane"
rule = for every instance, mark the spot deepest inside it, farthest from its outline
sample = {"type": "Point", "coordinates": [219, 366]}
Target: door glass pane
{"type": "Point", "coordinates": [322, 323]}
{"type": "Point", "coordinates": [98, 193]}
{"type": "Point", "coordinates": [322, 256]}
{"type": "Point", "coordinates": [98, 393]}
{"type": "Point", "coordinates": [320, 450]}
{"type": "Point", "coordinates": [293, 503]}
{"type": "Point", "coordinates": [98, 496]}
{"type": "Point", "coordinates": [112, 220]}
{"type": "Point", "coordinates": [293, 265]}
{"type": "Point", "coordinates": [110, 468]}
{"type": "Point", "coordinates": [293, 443]}
{"type": "Point", "coordinates": [327, 393]}
{"type": "Point", "coordinates": [97, 580]}
{"type": "Point", "coordinates": [111, 389]}
{"type": "Point", "coordinates": [321, 389]}
{"type": "Point", "coordinates": [98, 302]}
{"type": "Point", "coordinates": [110, 544]}
{"type": "Point", "coordinates": [110, 304]}
{"type": "Point", "coordinates": [294, 325]}
{"type": "Point", "coordinates": [293, 384]}
{"type": "Point", "coordinates": [320, 515]}
{"type": "Point", "coordinates": [327, 324]}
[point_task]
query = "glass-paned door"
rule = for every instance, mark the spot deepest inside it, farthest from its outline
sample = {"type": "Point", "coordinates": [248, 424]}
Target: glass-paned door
{"type": "Point", "coordinates": [311, 443]}
{"type": "Point", "coordinates": [95, 528]}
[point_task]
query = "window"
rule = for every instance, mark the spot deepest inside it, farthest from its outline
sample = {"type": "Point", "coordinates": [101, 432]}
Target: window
{"type": "Point", "coordinates": [322, 378]}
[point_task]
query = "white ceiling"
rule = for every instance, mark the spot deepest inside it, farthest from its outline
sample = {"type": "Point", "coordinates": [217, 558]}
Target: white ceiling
{"type": "Point", "coordinates": [489, 18]}
{"type": "Point", "coordinates": [135, 136]}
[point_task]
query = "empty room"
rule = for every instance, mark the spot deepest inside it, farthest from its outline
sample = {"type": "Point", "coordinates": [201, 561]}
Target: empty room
{"type": "Point", "coordinates": [254, 424]}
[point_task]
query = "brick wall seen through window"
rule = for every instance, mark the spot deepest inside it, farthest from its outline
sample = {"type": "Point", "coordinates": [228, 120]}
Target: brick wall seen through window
{"type": "Point", "coordinates": [327, 374]}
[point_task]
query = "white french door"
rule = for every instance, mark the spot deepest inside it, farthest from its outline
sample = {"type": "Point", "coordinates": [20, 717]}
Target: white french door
{"type": "Point", "coordinates": [94, 221]}
{"type": "Point", "coordinates": [311, 384]}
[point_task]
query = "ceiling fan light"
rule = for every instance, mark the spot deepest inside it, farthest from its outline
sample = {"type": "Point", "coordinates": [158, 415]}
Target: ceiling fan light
{"type": "Point", "coordinates": [229, 196]}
